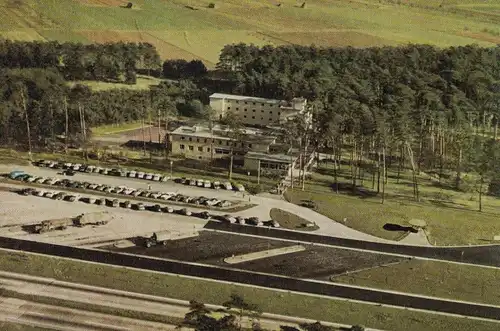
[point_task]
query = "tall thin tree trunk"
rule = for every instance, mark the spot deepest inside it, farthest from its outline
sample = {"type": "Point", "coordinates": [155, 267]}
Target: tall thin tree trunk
{"type": "Point", "coordinates": [458, 178]}
{"type": "Point", "coordinates": [495, 129]}
{"type": "Point", "coordinates": [66, 134]}
{"type": "Point", "coordinates": [414, 170]}
{"type": "Point", "coordinates": [353, 166]}
{"type": "Point", "coordinates": [401, 162]}
{"type": "Point", "coordinates": [28, 131]}
{"type": "Point", "coordinates": [291, 165]}
{"type": "Point", "coordinates": [143, 136]}
{"type": "Point", "coordinates": [378, 171]}
{"type": "Point", "coordinates": [231, 164]}
{"type": "Point", "coordinates": [384, 173]}
{"type": "Point", "coordinates": [481, 182]}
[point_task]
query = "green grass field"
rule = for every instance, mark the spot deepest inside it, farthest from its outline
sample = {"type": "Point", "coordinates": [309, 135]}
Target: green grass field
{"type": "Point", "coordinates": [216, 293]}
{"type": "Point", "coordinates": [181, 32]}
{"type": "Point", "coordinates": [452, 217]}
{"type": "Point", "coordinates": [440, 279]}
{"type": "Point", "coordinates": [290, 221]}
{"type": "Point", "coordinates": [143, 83]}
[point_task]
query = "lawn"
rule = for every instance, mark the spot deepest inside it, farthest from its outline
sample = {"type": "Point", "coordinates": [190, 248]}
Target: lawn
{"type": "Point", "coordinates": [216, 293]}
{"type": "Point", "coordinates": [143, 83]}
{"type": "Point", "coordinates": [291, 221]}
{"type": "Point", "coordinates": [440, 279]}
{"type": "Point", "coordinates": [115, 128]}
{"type": "Point", "coordinates": [181, 32]}
{"type": "Point", "coordinates": [452, 217]}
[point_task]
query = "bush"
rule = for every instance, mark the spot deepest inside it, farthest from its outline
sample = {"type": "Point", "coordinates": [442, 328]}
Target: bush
{"type": "Point", "coordinates": [254, 188]}
{"type": "Point", "coordinates": [211, 5]}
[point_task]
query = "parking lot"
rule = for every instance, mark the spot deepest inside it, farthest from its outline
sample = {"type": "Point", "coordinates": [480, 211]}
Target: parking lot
{"type": "Point", "coordinates": [17, 210]}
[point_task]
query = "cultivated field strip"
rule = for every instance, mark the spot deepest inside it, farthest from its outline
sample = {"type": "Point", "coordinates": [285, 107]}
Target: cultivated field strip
{"type": "Point", "coordinates": [258, 279]}
{"type": "Point", "coordinates": [487, 255]}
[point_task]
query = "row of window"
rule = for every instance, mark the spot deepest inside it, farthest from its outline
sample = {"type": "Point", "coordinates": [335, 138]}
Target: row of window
{"type": "Point", "coordinates": [253, 110]}
{"type": "Point", "coordinates": [254, 103]}
{"type": "Point", "coordinates": [191, 148]}
{"type": "Point", "coordinates": [220, 142]}
{"type": "Point", "coordinates": [200, 148]}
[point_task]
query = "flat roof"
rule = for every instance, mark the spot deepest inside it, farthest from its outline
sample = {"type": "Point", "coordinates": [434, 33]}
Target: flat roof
{"type": "Point", "coordinates": [283, 158]}
{"type": "Point", "coordinates": [242, 98]}
{"type": "Point", "coordinates": [221, 132]}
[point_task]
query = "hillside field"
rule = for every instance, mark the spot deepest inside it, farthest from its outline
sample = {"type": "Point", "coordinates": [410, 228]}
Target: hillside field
{"type": "Point", "coordinates": [189, 29]}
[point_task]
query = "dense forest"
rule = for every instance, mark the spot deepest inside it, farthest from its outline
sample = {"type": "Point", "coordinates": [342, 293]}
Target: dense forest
{"type": "Point", "coordinates": [431, 109]}
{"type": "Point", "coordinates": [106, 62]}
{"type": "Point", "coordinates": [438, 109]}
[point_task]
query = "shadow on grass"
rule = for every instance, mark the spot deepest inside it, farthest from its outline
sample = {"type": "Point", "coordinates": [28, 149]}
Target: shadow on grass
{"type": "Point", "coordinates": [358, 191]}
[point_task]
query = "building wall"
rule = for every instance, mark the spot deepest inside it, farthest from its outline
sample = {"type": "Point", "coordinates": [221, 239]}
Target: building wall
{"type": "Point", "coordinates": [250, 112]}
{"type": "Point", "coordinates": [218, 105]}
{"type": "Point", "coordinates": [201, 147]}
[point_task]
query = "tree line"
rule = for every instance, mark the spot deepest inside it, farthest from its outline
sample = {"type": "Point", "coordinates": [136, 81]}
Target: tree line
{"type": "Point", "coordinates": [117, 62]}
{"type": "Point", "coordinates": [430, 109]}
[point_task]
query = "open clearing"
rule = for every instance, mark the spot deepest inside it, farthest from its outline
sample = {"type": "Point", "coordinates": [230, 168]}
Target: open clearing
{"type": "Point", "coordinates": [452, 217]}
{"type": "Point", "coordinates": [441, 279]}
{"type": "Point", "coordinates": [216, 293]}
{"type": "Point", "coordinates": [143, 83]}
{"type": "Point", "coordinates": [180, 32]}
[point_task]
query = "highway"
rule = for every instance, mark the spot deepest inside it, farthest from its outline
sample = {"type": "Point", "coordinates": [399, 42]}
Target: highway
{"type": "Point", "coordinates": [259, 279]}
{"type": "Point", "coordinates": [61, 318]}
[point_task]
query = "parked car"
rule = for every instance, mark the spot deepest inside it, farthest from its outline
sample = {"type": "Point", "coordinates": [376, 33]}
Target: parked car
{"type": "Point", "coordinates": [90, 169]}
{"type": "Point", "coordinates": [127, 204]}
{"type": "Point", "coordinates": [67, 165]}
{"type": "Point", "coordinates": [137, 193]}
{"type": "Point", "coordinates": [254, 221]}
{"type": "Point", "coordinates": [132, 174]}
{"type": "Point", "coordinates": [139, 206]}
{"type": "Point", "coordinates": [216, 185]}
{"type": "Point", "coordinates": [40, 180]}
{"type": "Point", "coordinates": [39, 193]}
{"type": "Point", "coordinates": [227, 186]}
{"type": "Point", "coordinates": [71, 198]}
{"type": "Point", "coordinates": [104, 171]}
{"type": "Point", "coordinates": [207, 184]}
{"type": "Point", "coordinates": [181, 180]}
{"type": "Point", "coordinates": [200, 183]}
{"type": "Point", "coordinates": [212, 202]}
{"type": "Point", "coordinates": [148, 176]}
{"type": "Point", "coordinates": [184, 212]}
{"type": "Point", "coordinates": [227, 218]}
{"type": "Point", "coordinates": [49, 194]}
{"type": "Point", "coordinates": [100, 202]}
{"type": "Point", "coordinates": [91, 200]}
{"type": "Point", "coordinates": [75, 167]}
{"type": "Point", "coordinates": [82, 168]}
{"type": "Point", "coordinates": [275, 224]}
{"type": "Point", "coordinates": [27, 191]}
{"type": "Point", "coordinates": [240, 220]}
{"type": "Point", "coordinates": [239, 188]}
{"type": "Point", "coordinates": [157, 178]}
{"type": "Point", "coordinates": [204, 215]}
{"type": "Point", "coordinates": [140, 175]}
{"type": "Point", "coordinates": [145, 194]}
{"type": "Point", "coordinates": [97, 170]}
{"type": "Point", "coordinates": [156, 208]}
{"type": "Point", "coordinates": [167, 209]}
{"type": "Point", "coordinates": [192, 182]}
{"type": "Point", "coordinates": [92, 186]}
{"type": "Point", "coordinates": [69, 172]}
{"type": "Point", "coordinates": [223, 204]}
{"type": "Point", "coordinates": [155, 195]}
{"type": "Point", "coordinates": [112, 203]}
{"type": "Point", "coordinates": [31, 179]}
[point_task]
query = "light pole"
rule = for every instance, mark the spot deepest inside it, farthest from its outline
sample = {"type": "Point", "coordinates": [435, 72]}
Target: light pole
{"type": "Point", "coordinates": [171, 163]}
